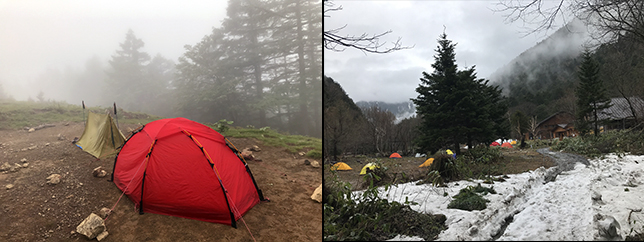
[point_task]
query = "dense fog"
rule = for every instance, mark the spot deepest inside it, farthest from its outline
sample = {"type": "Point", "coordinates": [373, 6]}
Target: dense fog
{"type": "Point", "coordinates": [257, 63]}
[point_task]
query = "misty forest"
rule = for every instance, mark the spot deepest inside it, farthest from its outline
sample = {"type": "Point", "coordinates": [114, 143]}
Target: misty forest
{"type": "Point", "coordinates": [537, 84]}
{"type": "Point", "coordinates": [260, 68]}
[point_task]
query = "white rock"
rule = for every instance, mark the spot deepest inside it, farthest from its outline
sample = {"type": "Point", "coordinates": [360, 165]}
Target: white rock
{"type": "Point", "coordinates": [92, 226]}
{"type": "Point", "coordinates": [102, 236]}
{"type": "Point", "coordinates": [53, 179]}
{"type": "Point", "coordinates": [317, 194]}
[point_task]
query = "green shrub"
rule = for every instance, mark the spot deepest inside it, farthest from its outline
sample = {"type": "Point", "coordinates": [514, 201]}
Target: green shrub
{"type": "Point", "coordinates": [377, 176]}
{"type": "Point", "coordinates": [469, 199]}
{"type": "Point", "coordinates": [446, 167]}
{"type": "Point", "coordinates": [434, 178]}
{"type": "Point", "coordinates": [221, 126]}
{"type": "Point", "coordinates": [577, 145]}
{"type": "Point", "coordinates": [614, 141]}
{"type": "Point", "coordinates": [367, 217]}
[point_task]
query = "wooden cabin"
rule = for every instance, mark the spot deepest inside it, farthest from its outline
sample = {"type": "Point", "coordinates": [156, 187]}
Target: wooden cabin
{"type": "Point", "coordinates": [620, 115]}
{"type": "Point", "coordinates": [559, 125]}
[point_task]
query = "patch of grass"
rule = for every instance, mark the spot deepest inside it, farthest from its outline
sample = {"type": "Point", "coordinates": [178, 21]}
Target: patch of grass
{"type": "Point", "coordinates": [469, 169]}
{"type": "Point", "coordinates": [367, 217]}
{"type": "Point", "coordinates": [312, 147]}
{"type": "Point", "coordinates": [483, 154]}
{"type": "Point", "coordinates": [469, 198]}
{"type": "Point", "coordinates": [20, 114]}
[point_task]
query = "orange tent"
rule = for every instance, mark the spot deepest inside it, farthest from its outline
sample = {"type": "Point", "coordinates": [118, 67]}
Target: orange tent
{"type": "Point", "coordinates": [506, 145]}
{"type": "Point", "coordinates": [395, 155]}
{"type": "Point", "coordinates": [428, 162]}
{"type": "Point", "coordinates": [495, 143]}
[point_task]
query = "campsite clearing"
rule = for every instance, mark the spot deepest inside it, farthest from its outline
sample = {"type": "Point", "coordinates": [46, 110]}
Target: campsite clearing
{"type": "Point", "coordinates": [514, 161]}
{"type": "Point", "coordinates": [32, 210]}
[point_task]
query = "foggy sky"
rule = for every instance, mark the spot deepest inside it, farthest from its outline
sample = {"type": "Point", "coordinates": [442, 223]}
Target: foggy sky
{"type": "Point", "coordinates": [482, 36]}
{"type": "Point", "coordinates": [40, 35]}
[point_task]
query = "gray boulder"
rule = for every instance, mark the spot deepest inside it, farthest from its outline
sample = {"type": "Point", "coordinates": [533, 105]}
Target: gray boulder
{"type": "Point", "coordinates": [608, 226]}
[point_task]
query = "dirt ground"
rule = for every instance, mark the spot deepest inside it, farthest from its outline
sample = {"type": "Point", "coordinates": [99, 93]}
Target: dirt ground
{"type": "Point", "coordinates": [514, 161]}
{"type": "Point", "coordinates": [36, 211]}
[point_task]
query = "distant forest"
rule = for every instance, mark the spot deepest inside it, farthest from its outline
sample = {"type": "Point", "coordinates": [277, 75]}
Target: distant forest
{"type": "Point", "coordinates": [538, 83]}
{"type": "Point", "coordinates": [542, 80]}
{"type": "Point", "coordinates": [261, 68]}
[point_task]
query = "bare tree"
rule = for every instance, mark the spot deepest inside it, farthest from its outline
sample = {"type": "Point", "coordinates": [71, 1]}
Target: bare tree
{"type": "Point", "coordinates": [610, 19]}
{"type": "Point", "coordinates": [334, 41]}
{"type": "Point", "coordinates": [533, 126]}
{"type": "Point", "coordinates": [381, 128]}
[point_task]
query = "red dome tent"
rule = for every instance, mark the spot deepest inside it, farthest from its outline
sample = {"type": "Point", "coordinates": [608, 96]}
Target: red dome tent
{"type": "Point", "coordinates": [182, 168]}
{"type": "Point", "coordinates": [495, 144]}
{"type": "Point", "coordinates": [395, 155]}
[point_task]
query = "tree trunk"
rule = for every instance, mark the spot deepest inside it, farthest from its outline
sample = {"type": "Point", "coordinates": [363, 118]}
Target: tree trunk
{"type": "Point", "coordinates": [303, 114]}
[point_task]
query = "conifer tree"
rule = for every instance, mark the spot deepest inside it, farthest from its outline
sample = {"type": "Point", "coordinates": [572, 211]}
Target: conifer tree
{"type": "Point", "coordinates": [455, 106]}
{"type": "Point", "coordinates": [591, 95]}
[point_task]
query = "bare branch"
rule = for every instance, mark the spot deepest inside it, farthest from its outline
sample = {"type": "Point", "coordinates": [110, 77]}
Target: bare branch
{"type": "Point", "coordinates": [610, 19]}
{"type": "Point", "coordinates": [336, 42]}
{"type": "Point", "coordinates": [531, 12]}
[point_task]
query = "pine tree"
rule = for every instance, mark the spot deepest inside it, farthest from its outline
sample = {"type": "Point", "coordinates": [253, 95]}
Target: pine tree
{"type": "Point", "coordinates": [126, 77]}
{"type": "Point", "coordinates": [455, 106]}
{"type": "Point", "coordinates": [591, 95]}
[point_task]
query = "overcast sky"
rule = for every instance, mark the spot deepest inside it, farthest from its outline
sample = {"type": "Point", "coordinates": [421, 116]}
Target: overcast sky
{"type": "Point", "coordinates": [483, 38]}
{"type": "Point", "coordinates": [40, 35]}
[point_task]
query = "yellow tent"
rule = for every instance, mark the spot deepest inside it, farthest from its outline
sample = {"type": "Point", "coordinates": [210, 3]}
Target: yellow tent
{"type": "Point", "coordinates": [370, 166]}
{"type": "Point", "coordinates": [449, 152]}
{"type": "Point", "coordinates": [428, 162]}
{"type": "Point", "coordinates": [341, 166]}
{"type": "Point", "coordinates": [514, 142]}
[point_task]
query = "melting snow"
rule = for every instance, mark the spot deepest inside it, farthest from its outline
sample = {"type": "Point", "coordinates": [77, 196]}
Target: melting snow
{"type": "Point", "coordinates": [536, 210]}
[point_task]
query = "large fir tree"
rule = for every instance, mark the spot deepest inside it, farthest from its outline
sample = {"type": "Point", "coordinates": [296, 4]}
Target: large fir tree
{"type": "Point", "coordinates": [126, 75]}
{"type": "Point", "coordinates": [591, 95]}
{"type": "Point", "coordinates": [455, 106]}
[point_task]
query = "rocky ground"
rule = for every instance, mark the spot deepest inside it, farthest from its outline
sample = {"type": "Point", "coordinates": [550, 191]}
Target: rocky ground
{"type": "Point", "coordinates": [35, 208]}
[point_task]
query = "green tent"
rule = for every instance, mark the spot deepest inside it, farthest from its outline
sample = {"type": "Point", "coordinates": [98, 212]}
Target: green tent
{"type": "Point", "coordinates": [101, 135]}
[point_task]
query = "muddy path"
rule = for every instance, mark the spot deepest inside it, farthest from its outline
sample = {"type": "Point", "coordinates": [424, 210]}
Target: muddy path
{"type": "Point", "coordinates": [565, 162]}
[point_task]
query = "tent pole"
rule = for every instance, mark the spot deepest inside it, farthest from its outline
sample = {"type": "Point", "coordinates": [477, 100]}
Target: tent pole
{"type": "Point", "coordinates": [83, 112]}
{"type": "Point", "coordinates": [117, 117]}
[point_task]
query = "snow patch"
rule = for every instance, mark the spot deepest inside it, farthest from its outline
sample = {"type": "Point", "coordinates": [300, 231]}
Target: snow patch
{"type": "Point", "coordinates": [567, 208]}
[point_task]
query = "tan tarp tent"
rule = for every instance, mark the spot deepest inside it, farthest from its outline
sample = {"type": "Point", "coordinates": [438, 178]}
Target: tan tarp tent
{"type": "Point", "coordinates": [428, 162]}
{"type": "Point", "coordinates": [370, 166]}
{"type": "Point", "coordinates": [341, 166]}
{"type": "Point", "coordinates": [101, 135]}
